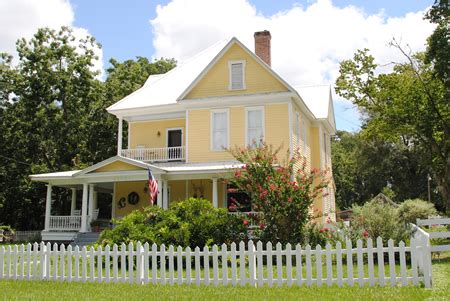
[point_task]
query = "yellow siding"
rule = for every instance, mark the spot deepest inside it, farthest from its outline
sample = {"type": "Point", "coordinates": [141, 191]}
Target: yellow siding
{"type": "Point", "coordinates": [276, 129]}
{"type": "Point", "coordinates": [146, 133]}
{"type": "Point", "coordinates": [177, 191]}
{"type": "Point", "coordinates": [117, 166]}
{"type": "Point", "coordinates": [123, 189]}
{"type": "Point", "coordinates": [216, 81]}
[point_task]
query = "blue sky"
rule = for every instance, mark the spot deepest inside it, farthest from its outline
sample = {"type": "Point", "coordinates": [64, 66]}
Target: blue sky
{"type": "Point", "coordinates": [309, 37]}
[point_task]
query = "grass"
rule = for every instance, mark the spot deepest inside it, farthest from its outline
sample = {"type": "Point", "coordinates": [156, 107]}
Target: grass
{"type": "Point", "coordinates": [41, 290]}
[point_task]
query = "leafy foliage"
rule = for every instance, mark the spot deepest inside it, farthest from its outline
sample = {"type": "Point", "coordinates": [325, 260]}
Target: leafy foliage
{"type": "Point", "coordinates": [282, 193]}
{"type": "Point", "coordinates": [193, 222]}
{"type": "Point", "coordinates": [53, 116]}
{"type": "Point", "coordinates": [410, 210]}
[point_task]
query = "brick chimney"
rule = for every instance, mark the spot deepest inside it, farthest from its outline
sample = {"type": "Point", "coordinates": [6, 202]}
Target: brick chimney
{"type": "Point", "coordinates": [262, 45]}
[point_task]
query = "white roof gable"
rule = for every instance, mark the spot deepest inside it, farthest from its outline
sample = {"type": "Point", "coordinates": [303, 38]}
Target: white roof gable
{"type": "Point", "coordinates": [166, 88]}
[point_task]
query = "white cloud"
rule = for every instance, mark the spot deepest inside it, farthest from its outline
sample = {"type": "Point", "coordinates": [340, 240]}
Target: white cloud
{"type": "Point", "coordinates": [22, 18]}
{"type": "Point", "coordinates": [308, 42]}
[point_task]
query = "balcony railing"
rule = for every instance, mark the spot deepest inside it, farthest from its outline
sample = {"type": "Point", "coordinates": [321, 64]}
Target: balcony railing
{"type": "Point", "coordinates": [161, 154]}
{"type": "Point", "coordinates": [65, 223]}
{"type": "Point", "coordinates": [254, 218]}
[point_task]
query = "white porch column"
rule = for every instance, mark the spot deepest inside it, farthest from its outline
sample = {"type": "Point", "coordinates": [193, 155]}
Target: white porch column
{"type": "Point", "coordinates": [160, 183]}
{"type": "Point", "coordinates": [84, 202]}
{"type": "Point", "coordinates": [91, 202]}
{"type": "Point", "coordinates": [214, 193]}
{"type": "Point", "coordinates": [73, 203]}
{"type": "Point", "coordinates": [165, 195]}
{"type": "Point", "coordinates": [48, 207]}
{"type": "Point", "coordinates": [119, 136]}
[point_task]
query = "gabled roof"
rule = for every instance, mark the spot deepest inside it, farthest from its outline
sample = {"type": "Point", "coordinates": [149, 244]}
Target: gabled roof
{"type": "Point", "coordinates": [166, 88]}
{"type": "Point", "coordinates": [319, 100]}
{"type": "Point", "coordinates": [108, 161]}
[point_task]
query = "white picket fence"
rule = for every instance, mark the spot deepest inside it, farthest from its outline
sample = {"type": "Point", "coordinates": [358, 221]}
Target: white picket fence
{"type": "Point", "coordinates": [237, 265]}
{"type": "Point", "coordinates": [431, 222]}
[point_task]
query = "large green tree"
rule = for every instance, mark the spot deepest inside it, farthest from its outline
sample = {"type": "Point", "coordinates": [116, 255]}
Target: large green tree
{"type": "Point", "coordinates": [408, 105]}
{"type": "Point", "coordinates": [53, 117]}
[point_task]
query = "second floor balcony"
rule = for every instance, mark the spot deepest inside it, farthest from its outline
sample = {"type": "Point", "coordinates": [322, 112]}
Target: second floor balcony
{"type": "Point", "coordinates": [160, 154]}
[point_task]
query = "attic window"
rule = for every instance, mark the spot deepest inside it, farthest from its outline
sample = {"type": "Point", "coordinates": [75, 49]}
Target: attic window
{"type": "Point", "coordinates": [237, 75]}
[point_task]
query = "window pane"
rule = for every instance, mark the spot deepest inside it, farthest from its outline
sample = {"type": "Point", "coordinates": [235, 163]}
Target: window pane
{"type": "Point", "coordinates": [220, 130]}
{"type": "Point", "coordinates": [255, 119]}
{"type": "Point", "coordinates": [220, 121]}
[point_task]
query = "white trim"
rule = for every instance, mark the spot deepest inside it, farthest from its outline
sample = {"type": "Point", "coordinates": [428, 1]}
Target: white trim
{"type": "Point", "coordinates": [291, 136]}
{"type": "Point", "coordinates": [158, 117]}
{"type": "Point", "coordinates": [257, 108]}
{"type": "Point", "coordinates": [119, 136]}
{"type": "Point", "coordinates": [174, 129]}
{"type": "Point", "coordinates": [227, 111]}
{"type": "Point", "coordinates": [230, 78]}
{"type": "Point", "coordinates": [186, 149]}
{"type": "Point", "coordinates": [112, 160]}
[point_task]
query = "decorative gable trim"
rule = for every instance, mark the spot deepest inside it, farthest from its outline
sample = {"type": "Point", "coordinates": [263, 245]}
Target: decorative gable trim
{"type": "Point", "coordinates": [116, 159]}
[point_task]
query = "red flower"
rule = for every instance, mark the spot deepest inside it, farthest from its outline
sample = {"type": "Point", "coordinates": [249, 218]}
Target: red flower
{"type": "Point", "coordinates": [290, 200]}
{"type": "Point", "coordinates": [272, 187]}
{"type": "Point", "coordinates": [232, 190]}
{"type": "Point", "coordinates": [262, 226]}
{"type": "Point", "coordinates": [365, 233]}
{"type": "Point", "coordinates": [245, 222]}
{"type": "Point", "coordinates": [237, 173]}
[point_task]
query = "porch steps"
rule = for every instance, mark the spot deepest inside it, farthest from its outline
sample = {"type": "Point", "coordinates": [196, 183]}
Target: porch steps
{"type": "Point", "coordinates": [85, 239]}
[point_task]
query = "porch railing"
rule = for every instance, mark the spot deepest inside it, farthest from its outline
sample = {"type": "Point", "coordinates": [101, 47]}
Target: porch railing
{"type": "Point", "coordinates": [65, 223]}
{"type": "Point", "coordinates": [253, 217]}
{"type": "Point", "coordinates": [160, 154]}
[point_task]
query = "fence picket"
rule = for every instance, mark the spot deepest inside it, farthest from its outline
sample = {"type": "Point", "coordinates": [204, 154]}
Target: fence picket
{"type": "Point", "coordinates": [349, 252]}
{"type": "Point", "coordinates": [76, 254]}
{"type": "Point", "coordinates": [55, 261]}
{"type": "Point", "coordinates": [224, 264]}
{"type": "Point", "coordinates": [91, 264]}
{"type": "Point", "coordinates": [22, 260]}
{"type": "Point", "coordinates": [319, 265]}
{"type": "Point", "coordinates": [14, 257]}
{"type": "Point", "coordinates": [359, 261]}
{"type": "Point", "coordinates": [139, 263]}
{"type": "Point", "coordinates": [154, 263]}
{"type": "Point", "coordinates": [206, 279]}
{"type": "Point", "coordinates": [107, 264]}
{"type": "Point", "coordinates": [131, 262]}
{"type": "Point", "coordinates": [289, 264]}
{"type": "Point", "coordinates": [252, 263]}
{"type": "Point", "coordinates": [2, 255]}
{"type": "Point", "coordinates": [370, 261]}
{"type": "Point", "coordinates": [69, 263]}
{"type": "Point", "coordinates": [84, 264]}
{"type": "Point", "coordinates": [188, 265]}
{"type": "Point", "coordinates": [35, 261]}
{"type": "Point", "coordinates": [269, 263]}
{"type": "Point", "coordinates": [391, 251]}
{"type": "Point", "coordinates": [380, 259]}
{"type": "Point", "coordinates": [279, 258]}
{"type": "Point", "coordinates": [298, 264]}
{"type": "Point", "coordinates": [403, 264]}
{"type": "Point", "coordinates": [259, 263]}
{"type": "Point", "coordinates": [115, 263]}
{"type": "Point", "coordinates": [308, 265]}
{"type": "Point", "coordinates": [20, 250]}
{"type": "Point", "coordinates": [162, 255]}
{"type": "Point", "coordinates": [123, 263]}
{"type": "Point", "coordinates": [8, 262]}
{"type": "Point", "coordinates": [179, 265]}
{"type": "Point", "coordinates": [62, 261]}
{"type": "Point", "coordinates": [242, 272]}
{"type": "Point", "coordinates": [215, 268]}
{"type": "Point", "coordinates": [413, 248]}
{"type": "Point", "coordinates": [28, 261]}
{"type": "Point", "coordinates": [339, 273]}
{"type": "Point", "coordinates": [329, 265]}
{"type": "Point", "coordinates": [99, 264]}
{"type": "Point", "coordinates": [233, 264]}
{"type": "Point", "coordinates": [197, 265]}
{"type": "Point", "coordinates": [171, 270]}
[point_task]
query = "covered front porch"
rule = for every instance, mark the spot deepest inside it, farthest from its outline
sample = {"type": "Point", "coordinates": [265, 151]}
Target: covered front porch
{"type": "Point", "coordinates": [117, 186]}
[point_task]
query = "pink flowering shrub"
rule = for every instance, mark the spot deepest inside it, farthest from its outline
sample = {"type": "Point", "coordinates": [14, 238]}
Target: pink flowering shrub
{"type": "Point", "coordinates": [276, 189]}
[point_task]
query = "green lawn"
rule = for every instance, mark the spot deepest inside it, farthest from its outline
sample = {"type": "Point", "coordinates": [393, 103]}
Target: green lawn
{"type": "Point", "coordinates": [23, 290]}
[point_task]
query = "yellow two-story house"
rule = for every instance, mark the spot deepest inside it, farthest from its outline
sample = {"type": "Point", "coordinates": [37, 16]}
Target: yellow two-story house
{"type": "Point", "coordinates": [180, 125]}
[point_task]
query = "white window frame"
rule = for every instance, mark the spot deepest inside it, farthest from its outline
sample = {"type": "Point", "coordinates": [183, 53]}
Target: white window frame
{"type": "Point", "coordinates": [227, 111]}
{"type": "Point", "coordinates": [259, 108]}
{"type": "Point", "coordinates": [174, 129]}
{"type": "Point", "coordinates": [243, 62]}
{"type": "Point", "coordinates": [304, 134]}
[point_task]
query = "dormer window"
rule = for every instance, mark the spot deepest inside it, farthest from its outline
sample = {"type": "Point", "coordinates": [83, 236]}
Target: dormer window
{"type": "Point", "coordinates": [237, 75]}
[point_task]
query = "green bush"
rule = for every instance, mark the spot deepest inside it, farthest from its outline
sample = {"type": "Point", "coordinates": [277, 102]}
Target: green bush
{"type": "Point", "coordinates": [377, 219]}
{"type": "Point", "coordinates": [193, 222]}
{"type": "Point", "coordinates": [411, 210]}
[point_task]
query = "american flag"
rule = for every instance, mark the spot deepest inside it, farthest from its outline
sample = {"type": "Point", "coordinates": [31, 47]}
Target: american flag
{"type": "Point", "coordinates": [152, 187]}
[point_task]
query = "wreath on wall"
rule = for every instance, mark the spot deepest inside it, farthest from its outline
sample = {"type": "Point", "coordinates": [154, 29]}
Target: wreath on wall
{"type": "Point", "coordinates": [133, 198]}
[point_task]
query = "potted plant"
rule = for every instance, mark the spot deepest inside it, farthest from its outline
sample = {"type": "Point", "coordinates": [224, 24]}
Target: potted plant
{"type": "Point", "coordinates": [96, 225]}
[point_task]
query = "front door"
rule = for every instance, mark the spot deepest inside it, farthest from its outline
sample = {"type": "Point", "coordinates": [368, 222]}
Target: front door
{"type": "Point", "coordinates": [174, 141]}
